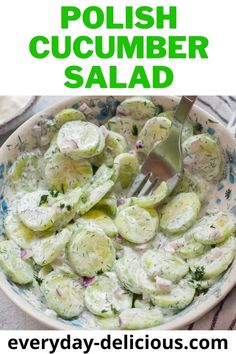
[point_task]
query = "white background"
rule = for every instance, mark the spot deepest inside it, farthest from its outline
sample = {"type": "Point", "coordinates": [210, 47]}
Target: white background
{"type": "Point", "coordinates": [99, 335]}
{"type": "Point", "coordinates": [20, 73]}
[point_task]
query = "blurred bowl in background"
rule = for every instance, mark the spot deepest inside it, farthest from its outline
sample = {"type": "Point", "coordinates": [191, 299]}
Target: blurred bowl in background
{"type": "Point", "coordinates": [13, 121]}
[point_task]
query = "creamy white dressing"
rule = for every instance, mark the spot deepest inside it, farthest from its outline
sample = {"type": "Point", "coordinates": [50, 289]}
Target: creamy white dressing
{"type": "Point", "coordinates": [11, 105]}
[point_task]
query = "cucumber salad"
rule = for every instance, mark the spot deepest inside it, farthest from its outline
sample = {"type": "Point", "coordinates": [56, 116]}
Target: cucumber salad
{"type": "Point", "coordinates": [95, 254]}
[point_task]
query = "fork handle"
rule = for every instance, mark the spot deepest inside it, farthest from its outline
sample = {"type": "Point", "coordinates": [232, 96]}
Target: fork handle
{"type": "Point", "coordinates": [184, 107]}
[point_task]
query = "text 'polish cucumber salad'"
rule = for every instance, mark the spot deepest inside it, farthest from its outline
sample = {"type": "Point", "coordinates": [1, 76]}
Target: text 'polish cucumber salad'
{"type": "Point", "coordinates": [89, 251]}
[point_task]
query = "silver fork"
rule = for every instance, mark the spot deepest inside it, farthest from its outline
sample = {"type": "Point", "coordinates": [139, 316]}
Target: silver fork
{"type": "Point", "coordinates": [165, 161]}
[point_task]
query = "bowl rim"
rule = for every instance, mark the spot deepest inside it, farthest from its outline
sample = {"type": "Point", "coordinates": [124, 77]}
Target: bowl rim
{"type": "Point", "coordinates": [32, 100]}
{"type": "Point", "coordinates": [53, 323]}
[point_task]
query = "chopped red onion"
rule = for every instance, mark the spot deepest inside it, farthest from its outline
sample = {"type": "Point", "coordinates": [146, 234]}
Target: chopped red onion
{"type": "Point", "coordinates": [120, 322]}
{"type": "Point", "coordinates": [118, 238]}
{"type": "Point", "coordinates": [120, 201]}
{"type": "Point", "coordinates": [25, 254]}
{"type": "Point", "coordinates": [59, 292]}
{"type": "Point", "coordinates": [88, 281]}
{"type": "Point", "coordinates": [139, 144]}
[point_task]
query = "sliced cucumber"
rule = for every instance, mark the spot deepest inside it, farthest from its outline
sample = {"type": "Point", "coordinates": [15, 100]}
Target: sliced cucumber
{"type": "Point", "coordinates": [167, 114]}
{"type": "Point", "coordinates": [187, 247]}
{"type": "Point", "coordinates": [108, 204]}
{"type": "Point", "coordinates": [140, 318]}
{"type": "Point", "coordinates": [63, 294]}
{"type": "Point", "coordinates": [17, 231]}
{"type": "Point", "coordinates": [79, 139]}
{"type": "Point", "coordinates": [213, 229]}
{"type": "Point", "coordinates": [67, 115]}
{"type": "Point", "coordinates": [101, 220]}
{"type": "Point", "coordinates": [193, 183]}
{"type": "Point", "coordinates": [63, 173]}
{"type": "Point", "coordinates": [155, 130]}
{"type": "Point", "coordinates": [15, 268]}
{"type": "Point", "coordinates": [25, 173]}
{"type": "Point", "coordinates": [142, 304]}
{"type": "Point", "coordinates": [126, 168]}
{"type": "Point", "coordinates": [36, 210]}
{"type": "Point", "coordinates": [47, 249]}
{"type": "Point", "coordinates": [137, 225]}
{"type": "Point", "coordinates": [159, 194]}
{"type": "Point", "coordinates": [105, 297]}
{"type": "Point", "coordinates": [203, 156]}
{"type": "Point", "coordinates": [90, 251]}
{"type": "Point", "coordinates": [100, 185]}
{"type": "Point", "coordinates": [180, 213]}
{"type": "Point", "coordinates": [127, 269]}
{"type": "Point", "coordinates": [215, 261]}
{"type": "Point", "coordinates": [125, 126]}
{"type": "Point", "coordinates": [137, 108]}
{"type": "Point", "coordinates": [53, 149]}
{"type": "Point", "coordinates": [181, 296]}
{"type": "Point", "coordinates": [115, 145]}
{"type": "Point", "coordinates": [164, 265]}
{"type": "Point", "coordinates": [108, 322]}
{"type": "Point", "coordinates": [92, 196]}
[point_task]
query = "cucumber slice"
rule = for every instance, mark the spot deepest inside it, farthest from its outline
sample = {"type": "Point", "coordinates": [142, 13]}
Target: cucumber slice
{"type": "Point", "coordinates": [167, 114]}
{"type": "Point", "coordinates": [103, 174]}
{"type": "Point", "coordinates": [137, 108]}
{"type": "Point", "coordinates": [101, 220]}
{"type": "Point", "coordinates": [136, 224]}
{"type": "Point", "coordinates": [187, 247]}
{"type": "Point", "coordinates": [25, 173]}
{"type": "Point", "coordinates": [181, 296]}
{"type": "Point", "coordinates": [108, 204]}
{"type": "Point", "coordinates": [140, 318]}
{"type": "Point", "coordinates": [127, 127]}
{"type": "Point", "coordinates": [164, 265]}
{"type": "Point", "coordinates": [155, 130]}
{"type": "Point", "coordinates": [90, 251]}
{"type": "Point", "coordinates": [36, 210]}
{"type": "Point", "coordinates": [187, 128]}
{"type": "Point", "coordinates": [159, 194]}
{"type": "Point", "coordinates": [180, 213]}
{"type": "Point", "coordinates": [213, 229]}
{"type": "Point", "coordinates": [127, 270]}
{"type": "Point", "coordinates": [115, 145]}
{"type": "Point", "coordinates": [108, 322]}
{"type": "Point", "coordinates": [215, 261]}
{"type": "Point", "coordinates": [92, 196]}
{"type": "Point", "coordinates": [152, 285]}
{"type": "Point", "coordinates": [80, 139]}
{"type": "Point", "coordinates": [43, 272]}
{"type": "Point", "coordinates": [101, 184]}
{"type": "Point", "coordinates": [193, 183]}
{"type": "Point", "coordinates": [203, 156]}
{"type": "Point", "coordinates": [63, 294]}
{"type": "Point", "coordinates": [53, 149]}
{"type": "Point", "coordinates": [67, 115]}
{"type": "Point", "coordinates": [105, 297]}
{"type": "Point", "coordinates": [63, 173]}
{"type": "Point", "coordinates": [47, 249]}
{"type": "Point", "coordinates": [126, 168]}
{"type": "Point", "coordinates": [15, 268]}
{"type": "Point", "coordinates": [18, 232]}
{"type": "Point", "coordinates": [142, 304]}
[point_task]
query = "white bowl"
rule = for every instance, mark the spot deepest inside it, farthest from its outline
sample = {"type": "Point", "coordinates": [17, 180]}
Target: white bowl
{"type": "Point", "coordinates": [99, 109]}
{"type": "Point", "coordinates": [19, 117]}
